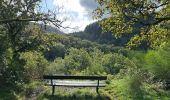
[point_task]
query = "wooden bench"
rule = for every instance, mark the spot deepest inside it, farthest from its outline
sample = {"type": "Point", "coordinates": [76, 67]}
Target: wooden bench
{"type": "Point", "coordinates": [95, 81]}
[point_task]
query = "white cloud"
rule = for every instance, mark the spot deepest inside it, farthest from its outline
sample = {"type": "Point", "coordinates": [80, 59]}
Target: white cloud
{"type": "Point", "coordinates": [81, 24]}
{"type": "Point", "coordinates": [77, 15]}
{"type": "Point", "coordinates": [69, 5]}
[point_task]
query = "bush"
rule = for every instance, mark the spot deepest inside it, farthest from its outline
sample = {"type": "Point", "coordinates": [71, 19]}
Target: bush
{"type": "Point", "coordinates": [56, 67]}
{"type": "Point", "coordinates": [158, 63]}
{"type": "Point", "coordinates": [97, 64]}
{"type": "Point", "coordinates": [112, 63]}
{"type": "Point", "coordinates": [76, 61]}
{"type": "Point", "coordinates": [80, 62]}
{"type": "Point", "coordinates": [35, 65]}
{"type": "Point", "coordinates": [58, 50]}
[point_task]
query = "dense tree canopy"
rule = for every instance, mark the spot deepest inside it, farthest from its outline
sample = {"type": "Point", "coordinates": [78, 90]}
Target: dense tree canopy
{"type": "Point", "coordinates": [122, 15]}
{"type": "Point", "coordinates": [16, 15]}
{"type": "Point", "coordinates": [18, 36]}
{"type": "Point", "coordinates": [24, 11]}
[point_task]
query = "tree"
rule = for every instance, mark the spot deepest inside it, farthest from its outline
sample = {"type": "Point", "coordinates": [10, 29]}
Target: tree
{"type": "Point", "coordinates": [120, 17]}
{"type": "Point", "coordinates": [55, 51]}
{"type": "Point", "coordinates": [16, 14]}
{"type": "Point", "coordinates": [25, 11]}
{"type": "Point", "coordinates": [77, 61]}
{"type": "Point", "coordinates": [17, 37]}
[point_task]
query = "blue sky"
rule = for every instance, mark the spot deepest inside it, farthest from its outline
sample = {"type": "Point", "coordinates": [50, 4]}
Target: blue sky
{"type": "Point", "coordinates": [77, 12]}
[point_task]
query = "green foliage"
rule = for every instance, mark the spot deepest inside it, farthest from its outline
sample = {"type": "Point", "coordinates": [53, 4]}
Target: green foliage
{"type": "Point", "coordinates": [52, 40]}
{"type": "Point", "coordinates": [35, 65]}
{"type": "Point", "coordinates": [16, 37]}
{"type": "Point", "coordinates": [128, 77]}
{"type": "Point", "coordinates": [80, 94]}
{"type": "Point", "coordinates": [26, 54]}
{"type": "Point", "coordinates": [57, 50]}
{"type": "Point", "coordinates": [12, 69]}
{"type": "Point", "coordinates": [131, 88]}
{"type": "Point", "coordinates": [82, 62]}
{"type": "Point", "coordinates": [97, 65]}
{"type": "Point", "coordinates": [57, 67]}
{"type": "Point", "coordinates": [35, 87]}
{"type": "Point", "coordinates": [113, 63]}
{"type": "Point", "coordinates": [94, 32]}
{"type": "Point", "coordinates": [128, 87]}
{"type": "Point", "coordinates": [7, 94]}
{"type": "Point", "coordinates": [77, 60]}
{"type": "Point", "coordinates": [121, 17]}
{"type": "Point", "coordinates": [3, 47]}
{"type": "Point", "coordinates": [158, 63]}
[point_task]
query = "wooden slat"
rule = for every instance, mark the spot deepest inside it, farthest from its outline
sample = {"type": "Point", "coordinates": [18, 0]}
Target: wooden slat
{"type": "Point", "coordinates": [76, 77]}
{"type": "Point", "coordinates": [78, 85]}
{"type": "Point", "coordinates": [74, 84]}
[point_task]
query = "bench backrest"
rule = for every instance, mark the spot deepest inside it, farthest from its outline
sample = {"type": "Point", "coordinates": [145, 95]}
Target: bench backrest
{"type": "Point", "coordinates": [76, 77]}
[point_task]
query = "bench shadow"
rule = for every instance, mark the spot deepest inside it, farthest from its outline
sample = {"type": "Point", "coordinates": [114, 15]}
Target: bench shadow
{"type": "Point", "coordinates": [75, 96]}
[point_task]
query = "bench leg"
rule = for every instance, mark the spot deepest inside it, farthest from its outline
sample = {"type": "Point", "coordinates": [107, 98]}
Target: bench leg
{"type": "Point", "coordinates": [97, 87]}
{"type": "Point", "coordinates": [97, 90]}
{"type": "Point", "coordinates": [53, 89]}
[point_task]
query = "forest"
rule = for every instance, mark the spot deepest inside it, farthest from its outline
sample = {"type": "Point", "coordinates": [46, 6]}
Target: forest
{"type": "Point", "coordinates": [129, 43]}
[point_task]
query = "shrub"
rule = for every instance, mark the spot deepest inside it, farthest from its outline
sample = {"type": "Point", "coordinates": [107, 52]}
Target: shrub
{"type": "Point", "coordinates": [77, 60]}
{"type": "Point", "coordinates": [35, 65]}
{"type": "Point", "coordinates": [112, 63]}
{"type": "Point", "coordinates": [158, 63]}
{"type": "Point", "coordinates": [56, 67]}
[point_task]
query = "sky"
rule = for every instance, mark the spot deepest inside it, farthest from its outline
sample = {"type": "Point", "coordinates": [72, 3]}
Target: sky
{"type": "Point", "coordinates": [76, 12]}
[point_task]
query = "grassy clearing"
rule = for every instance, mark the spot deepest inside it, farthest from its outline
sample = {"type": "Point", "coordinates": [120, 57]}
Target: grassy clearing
{"type": "Point", "coordinates": [76, 94]}
{"type": "Point", "coordinates": [117, 89]}
{"type": "Point", "coordinates": [125, 89]}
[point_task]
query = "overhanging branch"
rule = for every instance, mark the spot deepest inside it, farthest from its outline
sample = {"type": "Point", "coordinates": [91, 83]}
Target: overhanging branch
{"type": "Point", "coordinates": [28, 19]}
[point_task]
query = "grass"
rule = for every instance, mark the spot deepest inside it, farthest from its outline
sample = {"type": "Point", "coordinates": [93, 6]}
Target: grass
{"type": "Point", "coordinates": [78, 94]}
{"type": "Point", "coordinates": [130, 89]}
{"type": "Point", "coordinates": [36, 91]}
{"type": "Point", "coordinates": [118, 89]}
{"type": "Point", "coordinates": [8, 93]}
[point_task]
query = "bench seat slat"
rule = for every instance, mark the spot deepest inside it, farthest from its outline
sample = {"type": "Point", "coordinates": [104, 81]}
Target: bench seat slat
{"type": "Point", "coordinates": [77, 83]}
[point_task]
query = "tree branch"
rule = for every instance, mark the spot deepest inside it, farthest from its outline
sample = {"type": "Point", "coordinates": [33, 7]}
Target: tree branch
{"type": "Point", "coordinates": [26, 20]}
{"type": "Point", "coordinates": [161, 19]}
